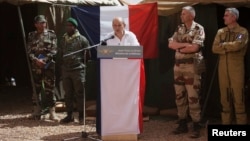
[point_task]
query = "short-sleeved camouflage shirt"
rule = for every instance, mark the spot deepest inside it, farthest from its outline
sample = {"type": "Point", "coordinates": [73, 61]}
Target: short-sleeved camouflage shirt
{"type": "Point", "coordinates": [194, 35]}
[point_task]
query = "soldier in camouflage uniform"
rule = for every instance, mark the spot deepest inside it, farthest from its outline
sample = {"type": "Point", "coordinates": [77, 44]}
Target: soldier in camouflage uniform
{"type": "Point", "coordinates": [72, 66]}
{"type": "Point", "coordinates": [187, 42]}
{"type": "Point", "coordinates": [41, 49]}
{"type": "Point", "coordinates": [230, 44]}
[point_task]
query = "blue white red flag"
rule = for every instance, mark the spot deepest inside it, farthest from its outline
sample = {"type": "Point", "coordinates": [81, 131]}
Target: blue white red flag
{"type": "Point", "coordinates": [96, 21]}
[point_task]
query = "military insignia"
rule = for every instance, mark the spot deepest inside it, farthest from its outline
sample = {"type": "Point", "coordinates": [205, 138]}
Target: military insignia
{"type": "Point", "coordinates": [239, 36]}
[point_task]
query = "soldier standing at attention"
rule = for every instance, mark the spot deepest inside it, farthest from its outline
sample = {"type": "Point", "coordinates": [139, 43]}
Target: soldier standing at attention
{"type": "Point", "coordinates": [187, 42]}
{"type": "Point", "coordinates": [72, 66]}
{"type": "Point", "coordinates": [41, 49]}
{"type": "Point", "coordinates": [230, 44]}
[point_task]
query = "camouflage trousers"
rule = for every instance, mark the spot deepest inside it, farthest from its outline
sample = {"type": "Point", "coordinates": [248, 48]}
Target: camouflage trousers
{"type": "Point", "coordinates": [187, 86]}
{"type": "Point", "coordinates": [44, 97]}
{"type": "Point", "coordinates": [73, 85]}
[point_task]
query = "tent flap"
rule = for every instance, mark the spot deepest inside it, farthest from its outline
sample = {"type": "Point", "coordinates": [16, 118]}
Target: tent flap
{"type": "Point", "coordinates": [168, 7]}
{"type": "Point", "coordinates": [65, 2]}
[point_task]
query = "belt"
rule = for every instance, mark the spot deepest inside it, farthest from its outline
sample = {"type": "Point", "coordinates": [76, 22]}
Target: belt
{"type": "Point", "coordinates": [184, 61]}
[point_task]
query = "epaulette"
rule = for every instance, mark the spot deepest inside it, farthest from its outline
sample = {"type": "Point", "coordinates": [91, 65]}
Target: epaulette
{"type": "Point", "coordinates": [224, 29]}
{"type": "Point", "coordinates": [32, 33]}
{"type": "Point", "coordinates": [197, 27]}
{"type": "Point", "coordinates": [51, 31]}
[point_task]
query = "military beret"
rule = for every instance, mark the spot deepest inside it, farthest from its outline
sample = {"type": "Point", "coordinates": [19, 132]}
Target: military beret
{"type": "Point", "coordinates": [73, 21]}
{"type": "Point", "coordinates": [40, 18]}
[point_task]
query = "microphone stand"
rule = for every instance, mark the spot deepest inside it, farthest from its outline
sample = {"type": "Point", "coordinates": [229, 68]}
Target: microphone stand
{"type": "Point", "coordinates": [83, 49]}
{"type": "Point", "coordinates": [102, 41]}
{"type": "Point", "coordinates": [84, 133]}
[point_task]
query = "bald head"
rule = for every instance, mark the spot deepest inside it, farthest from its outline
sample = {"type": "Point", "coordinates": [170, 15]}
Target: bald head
{"type": "Point", "coordinates": [119, 20]}
{"type": "Point", "coordinates": [118, 24]}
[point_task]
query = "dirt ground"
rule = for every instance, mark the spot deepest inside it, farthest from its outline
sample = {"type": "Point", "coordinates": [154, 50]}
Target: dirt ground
{"type": "Point", "coordinates": [15, 107]}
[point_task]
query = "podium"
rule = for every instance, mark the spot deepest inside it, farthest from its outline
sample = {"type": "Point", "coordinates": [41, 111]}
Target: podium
{"type": "Point", "coordinates": [122, 87]}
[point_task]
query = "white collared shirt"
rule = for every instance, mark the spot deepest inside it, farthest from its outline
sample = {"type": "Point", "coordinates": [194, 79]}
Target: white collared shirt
{"type": "Point", "coordinates": [128, 39]}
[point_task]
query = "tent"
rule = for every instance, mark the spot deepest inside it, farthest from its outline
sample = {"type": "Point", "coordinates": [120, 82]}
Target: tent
{"type": "Point", "coordinates": [159, 87]}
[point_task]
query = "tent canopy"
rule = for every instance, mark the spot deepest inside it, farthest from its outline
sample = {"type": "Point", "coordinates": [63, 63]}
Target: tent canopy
{"type": "Point", "coordinates": [168, 7]}
{"type": "Point", "coordinates": [65, 2]}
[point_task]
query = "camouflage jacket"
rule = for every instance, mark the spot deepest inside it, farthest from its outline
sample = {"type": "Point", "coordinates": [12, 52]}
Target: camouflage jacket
{"type": "Point", "coordinates": [194, 35]}
{"type": "Point", "coordinates": [68, 45]}
{"type": "Point", "coordinates": [42, 46]}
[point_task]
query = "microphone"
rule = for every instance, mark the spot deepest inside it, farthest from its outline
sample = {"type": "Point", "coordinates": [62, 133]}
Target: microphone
{"type": "Point", "coordinates": [111, 37]}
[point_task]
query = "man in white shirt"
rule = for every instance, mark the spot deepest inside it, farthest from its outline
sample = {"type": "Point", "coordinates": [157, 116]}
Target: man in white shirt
{"type": "Point", "coordinates": [121, 35]}
{"type": "Point", "coordinates": [116, 78]}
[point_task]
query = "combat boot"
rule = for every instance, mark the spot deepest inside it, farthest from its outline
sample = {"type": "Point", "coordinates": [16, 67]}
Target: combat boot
{"type": "Point", "coordinates": [69, 118]}
{"type": "Point", "coordinates": [182, 127]}
{"type": "Point", "coordinates": [52, 114]}
{"type": "Point", "coordinates": [81, 118]}
{"type": "Point", "coordinates": [196, 130]}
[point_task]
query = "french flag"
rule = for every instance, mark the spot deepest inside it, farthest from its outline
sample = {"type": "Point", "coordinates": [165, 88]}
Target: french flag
{"type": "Point", "coordinates": [96, 21]}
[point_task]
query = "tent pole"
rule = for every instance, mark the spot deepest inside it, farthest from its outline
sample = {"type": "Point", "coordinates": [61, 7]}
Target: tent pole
{"type": "Point", "coordinates": [34, 95]}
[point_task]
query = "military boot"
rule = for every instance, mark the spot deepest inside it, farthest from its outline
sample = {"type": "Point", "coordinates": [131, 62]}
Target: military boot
{"type": "Point", "coordinates": [52, 114]}
{"type": "Point", "coordinates": [196, 130]}
{"type": "Point", "coordinates": [182, 127]}
{"type": "Point", "coordinates": [69, 118]}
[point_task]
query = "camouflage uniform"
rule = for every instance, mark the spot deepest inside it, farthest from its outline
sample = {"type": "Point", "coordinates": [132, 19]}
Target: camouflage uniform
{"type": "Point", "coordinates": [231, 46]}
{"type": "Point", "coordinates": [43, 45]}
{"type": "Point", "coordinates": [72, 67]}
{"type": "Point", "coordinates": [187, 81]}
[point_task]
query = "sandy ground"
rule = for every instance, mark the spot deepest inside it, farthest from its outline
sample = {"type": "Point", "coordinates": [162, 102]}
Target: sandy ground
{"type": "Point", "coordinates": [15, 107]}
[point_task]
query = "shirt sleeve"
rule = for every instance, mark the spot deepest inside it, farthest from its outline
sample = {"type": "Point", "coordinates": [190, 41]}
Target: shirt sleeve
{"type": "Point", "coordinates": [30, 51]}
{"type": "Point", "coordinates": [239, 43]}
{"type": "Point", "coordinates": [217, 48]}
{"type": "Point", "coordinates": [199, 36]}
{"type": "Point", "coordinates": [133, 40]}
{"type": "Point", "coordinates": [53, 49]}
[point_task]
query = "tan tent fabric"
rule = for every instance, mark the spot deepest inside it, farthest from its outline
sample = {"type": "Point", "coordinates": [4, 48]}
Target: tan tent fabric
{"type": "Point", "coordinates": [168, 7]}
{"type": "Point", "coordinates": [65, 2]}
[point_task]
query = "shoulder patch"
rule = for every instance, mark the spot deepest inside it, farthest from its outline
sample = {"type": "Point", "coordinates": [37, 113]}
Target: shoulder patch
{"type": "Point", "coordinates": [239, 36]}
